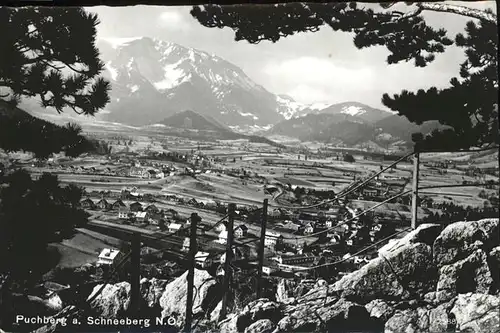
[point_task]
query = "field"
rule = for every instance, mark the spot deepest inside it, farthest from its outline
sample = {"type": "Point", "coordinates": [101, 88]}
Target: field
{"type": "Point", "coordinates": [83, 248]}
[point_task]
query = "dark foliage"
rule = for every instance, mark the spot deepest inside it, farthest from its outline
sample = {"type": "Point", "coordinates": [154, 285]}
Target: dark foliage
{"type": "Point", "coordinates": [43, 44]}
{"type": "Point", "coordinates": [20, 131]}
{"type": "Point", "coordinates": [50, 54]}
{"type": "Point", "coordinates": [34, 213]}
{"type": "Point", "coordinates": [469, 105]}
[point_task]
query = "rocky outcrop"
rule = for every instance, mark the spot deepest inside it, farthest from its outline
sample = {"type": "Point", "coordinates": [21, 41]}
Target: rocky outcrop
{"type": "Point", "coordinates": [428, 281]}
{"type": "Point", "coordinates": [459, 240]}
{"type": "Point", "coordinates": [173, 299]}
{"type": "Point", "coordinates": [170, 298]}
{"type": "Point", "coordinates": [477, 313]}
{"type": "Point", "coordinates": [113, 301]}
{"type": "Point", "coordinates": [431, 280]}
{"type": "Point", "coordinates": [392, 276]}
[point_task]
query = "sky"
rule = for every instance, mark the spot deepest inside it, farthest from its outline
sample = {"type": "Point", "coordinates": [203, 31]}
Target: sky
{"type": "Point", "coordinates": [312, 67]}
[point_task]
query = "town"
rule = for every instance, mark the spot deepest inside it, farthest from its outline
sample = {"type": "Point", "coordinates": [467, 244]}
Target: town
{"type": "Point", "coordinates": [154, 193]}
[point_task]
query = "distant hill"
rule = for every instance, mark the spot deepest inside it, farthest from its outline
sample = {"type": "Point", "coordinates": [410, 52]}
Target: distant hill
{"type": "Point", "coordinates": [352, 126]}
{"type": "Point", "coordinates": [191, 120]}
{"type": "Point", "coordinates": [193, 125]}
{"type": "Point", "coordinates": [401, 127]}
{"type": "Point", "coordinates": [349, 132]}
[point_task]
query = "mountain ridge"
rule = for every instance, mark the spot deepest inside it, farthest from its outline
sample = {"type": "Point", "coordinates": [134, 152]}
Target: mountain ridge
{"type": "Point", "coordinates": [162, 78]}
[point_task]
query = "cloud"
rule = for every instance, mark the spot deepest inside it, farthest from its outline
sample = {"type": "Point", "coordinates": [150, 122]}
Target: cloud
{"type": "Point", "coordinates": [312, 79]}
{"type": "Point", "coordinates": [308, 94]}
{"type": "Point", "coordinates": [174, 20]}
{"type": "Point", "coordinates": [318, 71]}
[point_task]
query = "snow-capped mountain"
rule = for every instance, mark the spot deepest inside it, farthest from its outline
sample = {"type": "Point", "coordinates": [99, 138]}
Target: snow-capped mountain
{"type": "Point", "coordinates": [153, 79]}
{"type": "Point", "coordinates": [358, 111]}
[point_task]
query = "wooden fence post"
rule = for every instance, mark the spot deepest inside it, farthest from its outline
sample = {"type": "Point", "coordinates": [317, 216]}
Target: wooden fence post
{"type": "Point", "coordinates": [135, 288]}
{"type": "Point", "coordinates": [193, 249]}
{"type": "Point", "coordinates": [414, 198]}
{"type": "Point", "coordinates": [227, 263]}
{"type": "Point", "coordinates": [261, 248]}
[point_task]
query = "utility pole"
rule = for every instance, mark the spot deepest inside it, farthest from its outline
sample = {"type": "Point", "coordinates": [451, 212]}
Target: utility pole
{"type": "Point", "coordinates": [414, 198]}
{"type": "Point", "coordinates": [135, 289]}
{"type": "Point", "coordinates": [261, 248]}
{"type": "Point", "coordinates": [227, 264]}
{"type": "Point", "coordinates": [193, 248]}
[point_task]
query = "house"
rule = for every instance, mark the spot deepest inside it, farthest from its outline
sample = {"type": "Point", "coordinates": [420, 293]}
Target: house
{"type": "Point", "coordinates": [275, 213]}
{"type": "Point", "coordinates": [142, 216]}
{"type": "Point", "coordinates": [309, 229]}
{"type": "Point", "coordinates": [152, 209]}
{"type": "Point", "coordinates": [220, 227]}
{"type": "Point", "coordinates": [151, 174]}
{"type": "Point", "coordinates": [186, 244]}
{"type": "Point", "coordinates": [118, 204]}
{"type": "Point", "coordinates": [296, 259]}
{"type": "Point", "coordinates": [295, 263]}
{"type": "Point", "coordinates": [87, 204]}
{"type": "Point", "coordinates": [223, 237]}
{"type": "Point", "coordinates": [370, 192]}
{"type": "Point", "coordinates": [123, 213]}
{"type": "Point", "coordinates": [137, 171]}
{"type": "Point", "coordinates": [240, 231]}
{"type": "Point", "coordinates": [272, 238]}
{"type": "Point", "coordinates": [210, 205]}
{"type": "Point", "coordinates": [192, 202]}
{"type": "Point", "coordinates": [174, 227]}
{"type": "Point", "coordinates": [202, 259]}
{"type": "Point", "coordinates": [136, 207]}
{"type": "Point", "coordinates": [329, 223]}
{"type": "Point", "coordinates": [268, 270]}
{"type": "Point", "coordinates": [335, 238]}
{"type": "Point", "coordinates": [103, 204]}
{"type": "Point", "coordinates": [170, 214]}
{"type": "Point", "coordinates": [108, 257]}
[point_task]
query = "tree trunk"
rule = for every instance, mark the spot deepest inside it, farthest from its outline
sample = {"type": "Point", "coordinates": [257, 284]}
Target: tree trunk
{"type": "Point", "coordinates": [460, 10]}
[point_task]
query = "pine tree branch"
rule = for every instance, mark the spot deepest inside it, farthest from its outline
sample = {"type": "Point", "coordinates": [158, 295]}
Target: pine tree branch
{"type": "Point", "coordinates": [460, 10]}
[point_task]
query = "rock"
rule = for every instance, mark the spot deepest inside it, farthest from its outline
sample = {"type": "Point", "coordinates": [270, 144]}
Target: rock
{"type": "Point", "coordinates": [59, 322]}
{"type": "Point", "coordinates": [152, 290]}
{"type": "Point", "coordinates": [260, 326]}
{"type": "Point", "coordinates": [281, 291]}
{"type": "Point", "coordinates": [341, 315]}
{"type": "Point", "coordinates": [214, 315]}
{"type": "Point", "coordinates": [379, 309]}
{"type": "Point", "coordinates": [471, 274]}
{"type": "Point", "coordinates": [459, 240]}
{"type": "Point", "coordinates": [439, 318]}
{"type": "Point", "coordinates": [477, 313]}
{"type": "Point", "coordinates": [403, 273]}
{"type": "Point", "coordinates": [169, 298]}
{"type": "Point", "coordinates": [113, 301]}
{"type": "Point", "coordinates": [256, 310]}
{"type": "Point", "coordinates": [173, 299]}
{"type": "Point", "coordinates": [494, 264]}
{"type": "Point", "coordinates": [425, 233]}
{"type": "Point", "coordinates": [495, 254]}
{"type": "Point", "coordinates": [406, 321]}
{"type": "Point", "coordinates": [228, 325]}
